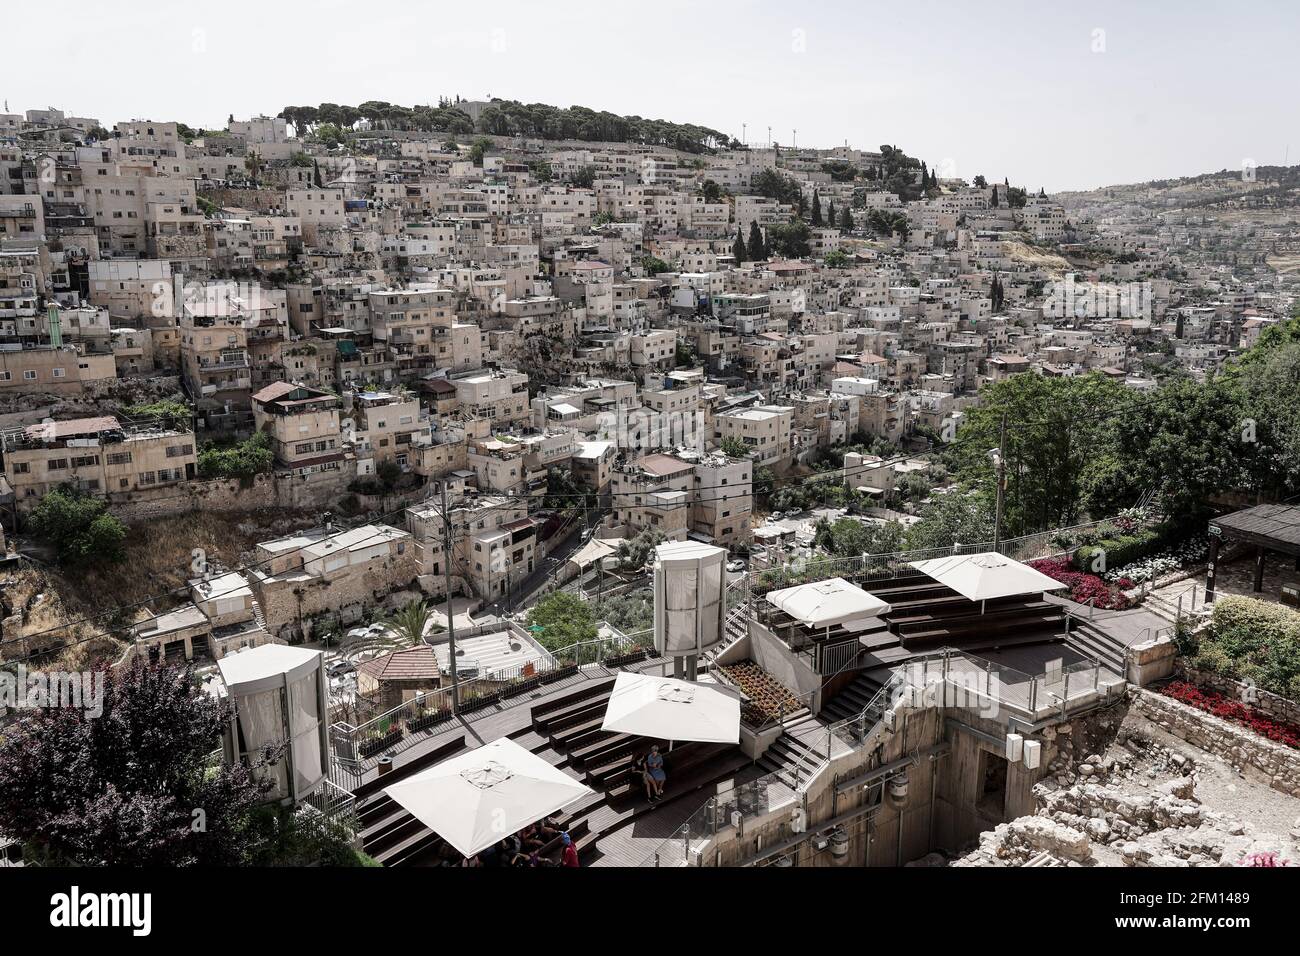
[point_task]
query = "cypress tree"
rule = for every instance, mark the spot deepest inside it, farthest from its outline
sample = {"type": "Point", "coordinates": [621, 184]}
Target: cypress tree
{"type": "Point", "coordinates": [817, 209]}
{"type": "Point", "coordinates": [846, 219]}
{"type": "Point", "coordinates": [830, 213]}
{"type": "Point", "coordinates": [757, 251]}
{"type": "Point", "coordinates": [738, 247]}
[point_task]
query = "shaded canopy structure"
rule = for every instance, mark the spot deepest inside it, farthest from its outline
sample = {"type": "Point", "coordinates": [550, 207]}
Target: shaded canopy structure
{"type": "Point", "coordinates": [670, 709]}
{"type": "Point", "coordinates": [479, 798]}
{"type": "Point", "coordinates": [986, 576]}
{"type": "Point", "coordinates": [1265, 528]}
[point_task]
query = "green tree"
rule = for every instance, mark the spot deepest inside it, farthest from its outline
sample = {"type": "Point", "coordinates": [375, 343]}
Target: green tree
{"type": "Point", "coordinates": [389, 474]}
{"type": "Point", "coordinates": [410, 621]}
{"type": "Point", "coordinates": [478, 149]}
{"type": "Point", "coordinates": [816, 209]}
{"type": "Point", "coordinates": [120, 788]}
{"type": "Point", "coordinates": [711, 191]}
{"type": "Point", "coordinates": [738, 248]}
{"type": "Point", "coordinates": [733, 447]}
{"type": "Point", "coordinates": [846, 219]}
{"type": "Point", "coordinates": [953, 518]}
{"type": "Point", "coordinates": [79, 527]}
{"type": "Point", "coordinates": [757, 248]}
{"type": "Point", "coordinates": [561, 619]}
{"type": "Point", "coordinates": [636, 552]}
{"type": "Point", "coordinates": [250, 457]}
{"type": "Point", "coordinates": [792, 239]}
{"type": "Point", "coordinates": [1057, 428]}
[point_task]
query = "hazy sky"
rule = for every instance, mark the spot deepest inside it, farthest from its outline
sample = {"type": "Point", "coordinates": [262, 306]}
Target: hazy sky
{"type": "Point", "coordinates": [1049, 94]}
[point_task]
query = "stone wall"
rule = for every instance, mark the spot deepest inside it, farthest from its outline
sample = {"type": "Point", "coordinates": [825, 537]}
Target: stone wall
{"type": "Point", "coordinates": [1151, 661]}
{"type": "Point", "coordinates": [277, 490]}
{"type": "Point", "coordinates": [1231, 742]}
{"type": "Point", "coordinates": [295, 609]}
{"type": "Point", "coordinates": [1266, 702]}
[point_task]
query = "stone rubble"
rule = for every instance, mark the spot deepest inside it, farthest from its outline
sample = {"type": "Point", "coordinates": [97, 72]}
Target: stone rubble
{"type": "Point", "coordinates": [1099, 810]}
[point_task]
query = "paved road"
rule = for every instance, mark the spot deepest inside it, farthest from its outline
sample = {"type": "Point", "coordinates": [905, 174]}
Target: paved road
{"type": "Point", "coordinates": [560, 552]}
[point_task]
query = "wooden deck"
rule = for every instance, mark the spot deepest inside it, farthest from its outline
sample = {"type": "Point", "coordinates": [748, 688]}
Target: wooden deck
{"type": "Point", "coordinates": [627, 836]}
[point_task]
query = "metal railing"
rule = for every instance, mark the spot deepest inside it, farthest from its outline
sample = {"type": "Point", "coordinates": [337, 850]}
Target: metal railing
{"type": "Point", "coordinates": [357, 748]}
{"type": "Point", "coordinates": [728, 808]}
{"type": "Point", "coordinates": [897, 564]}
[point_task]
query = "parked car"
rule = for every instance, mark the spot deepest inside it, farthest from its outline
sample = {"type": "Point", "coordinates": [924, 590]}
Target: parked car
{"type": "Point", "coordinates": [735, 565]}
{"type": "Point", "coordinates": [339, 668]}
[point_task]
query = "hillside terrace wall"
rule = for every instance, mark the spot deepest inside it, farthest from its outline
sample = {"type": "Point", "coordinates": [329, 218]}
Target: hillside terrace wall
{"type": "Point", "coordinates": [276, 490]}
{"type": "Point", "coordinates": [1237, 745]}
{"type": "Point", "coordinates": [1266, 702]}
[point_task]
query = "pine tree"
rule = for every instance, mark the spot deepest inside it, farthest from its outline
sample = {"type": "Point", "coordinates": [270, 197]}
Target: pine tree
{"type": "Point", "coordinates": [817, 209]}
{"type": "Point", "coordinates": [757, 251]}
{"type": "Point", "coordinates": [738, 247]}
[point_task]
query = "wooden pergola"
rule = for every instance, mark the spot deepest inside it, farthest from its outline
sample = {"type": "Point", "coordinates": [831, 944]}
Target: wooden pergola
{"type": "Point", "coordinates": [1267, 528]}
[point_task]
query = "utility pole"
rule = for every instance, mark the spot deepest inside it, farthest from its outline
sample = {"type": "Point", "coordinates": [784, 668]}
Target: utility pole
{"type": "Point", "coordinates": [451, 617]}
{"type": "Point", "coordinates": [1002, 480]}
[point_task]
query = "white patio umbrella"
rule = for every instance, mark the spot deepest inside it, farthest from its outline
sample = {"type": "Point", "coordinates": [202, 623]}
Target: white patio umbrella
{"type": "Point", "coordinates": [477, 799]}
{"type": "Point", "coordinates": [981, 577]}
{"type": "Point", "coordinates": [671, 709]}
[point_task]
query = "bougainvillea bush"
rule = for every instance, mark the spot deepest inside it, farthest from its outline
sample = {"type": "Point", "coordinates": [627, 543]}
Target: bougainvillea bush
{"type": "Point", "coordinates": [1084, 587]}
{"type": "Point", "coordinates": [1212, 702]}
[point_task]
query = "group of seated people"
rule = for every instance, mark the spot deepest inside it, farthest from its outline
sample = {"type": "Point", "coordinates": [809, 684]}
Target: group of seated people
{"type": "Point", "coordinates": [522, 849]}
{"type": "Point", "coordinates": [651, 769]}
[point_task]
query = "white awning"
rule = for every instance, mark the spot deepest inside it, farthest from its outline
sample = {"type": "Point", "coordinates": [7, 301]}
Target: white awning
{"type": "Point", "coordinates": [827, 603]}
{"type": "Point", "coordinates": [477, 799]}
{"type": "Point", "coordinates": [594, 550]}
{"type": "Point", "coordinates": [670, 709]}
{"type": "Point", "coordinates": [988, 575]}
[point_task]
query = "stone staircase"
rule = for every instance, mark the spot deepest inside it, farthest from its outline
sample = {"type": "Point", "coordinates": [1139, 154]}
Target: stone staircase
{"type": "Point", "coordinates": [1097, 645]}
{"type": "Point", "coordinates": [258, 617]}
{"type": "Point", "coordinates": [798, 752]}
{"type": "Point", "coordinates": [857, 697]}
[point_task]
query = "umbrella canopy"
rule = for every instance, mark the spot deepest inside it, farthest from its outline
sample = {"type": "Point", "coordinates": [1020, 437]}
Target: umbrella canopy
{"type": "Point", "coordinates": [671, 709]}
{"type": "Point", "coordinates": [827, 603]}
{"type": "Point", "coordinates": [982, 577]}
{"type": "Point", "coordinates": [479, 798]}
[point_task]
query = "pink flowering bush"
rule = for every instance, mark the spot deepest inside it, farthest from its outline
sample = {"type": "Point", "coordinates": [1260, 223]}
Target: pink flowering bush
{"type": "Point", "coordinates": [1084, 587]}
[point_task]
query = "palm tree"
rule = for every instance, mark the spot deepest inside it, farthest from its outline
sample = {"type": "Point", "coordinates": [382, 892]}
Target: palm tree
{"type": "Point", "coordinates": [410, 621]}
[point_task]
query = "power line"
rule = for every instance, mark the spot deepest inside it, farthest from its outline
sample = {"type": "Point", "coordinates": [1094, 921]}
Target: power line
{"type": "Point", "coordinates": [500, 503]}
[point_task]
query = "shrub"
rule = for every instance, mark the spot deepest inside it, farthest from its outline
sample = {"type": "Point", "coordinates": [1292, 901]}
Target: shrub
{"type": "Point", "coordinates": [1253, 640]}
{"type": "Point", "coordinates": [80, 527]}
{"type": "Point", "coordinates": [1084, 587]}
{"type": "Point", "coordinates": [1119, 550]}
{"type": "Point", "coordinates": [243, 461]}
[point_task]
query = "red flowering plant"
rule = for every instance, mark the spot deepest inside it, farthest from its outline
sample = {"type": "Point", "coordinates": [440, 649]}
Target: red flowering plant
{"type": "Point", "coordinates": [1227, 708]}
{"type": "Point", "coordinates": [1084, 587]}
